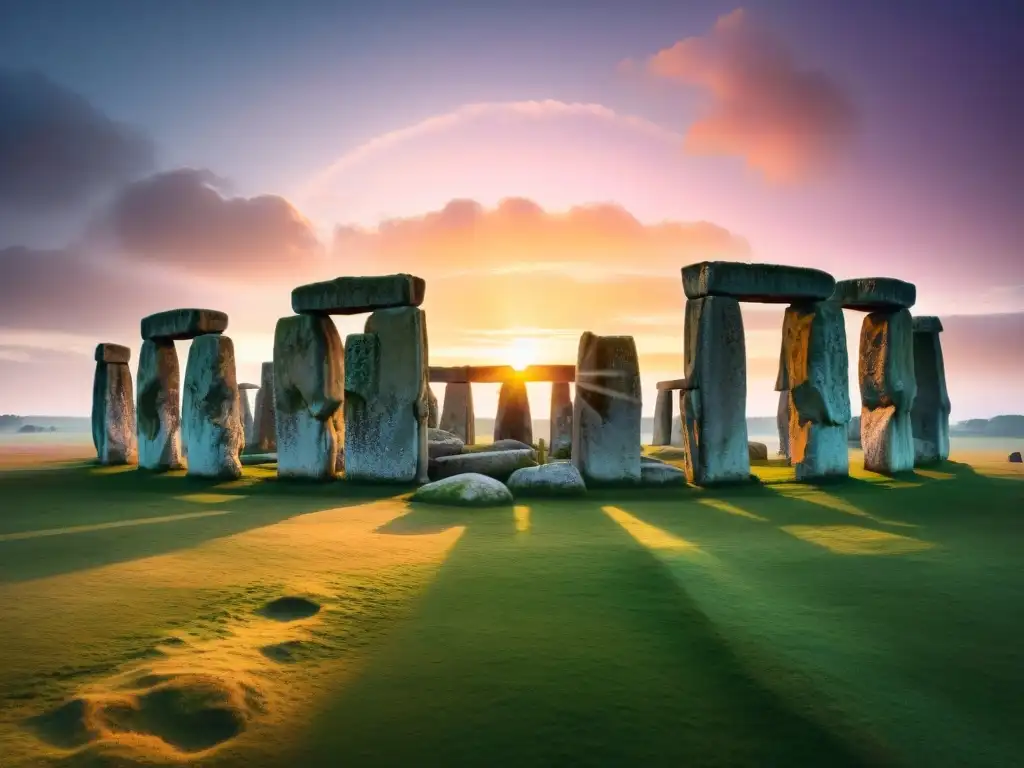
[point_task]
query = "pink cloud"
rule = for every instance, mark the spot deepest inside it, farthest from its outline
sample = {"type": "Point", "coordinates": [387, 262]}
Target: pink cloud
{"type": "Point", "coordinates": [784, 120]}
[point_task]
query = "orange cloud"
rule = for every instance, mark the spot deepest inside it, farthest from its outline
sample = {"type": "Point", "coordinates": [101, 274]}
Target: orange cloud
{"type": "Point", "coordinates": [786, 121]}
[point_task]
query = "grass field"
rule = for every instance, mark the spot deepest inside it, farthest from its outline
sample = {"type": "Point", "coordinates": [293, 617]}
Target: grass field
{"type": "Point", "coordinates": [163, 621]}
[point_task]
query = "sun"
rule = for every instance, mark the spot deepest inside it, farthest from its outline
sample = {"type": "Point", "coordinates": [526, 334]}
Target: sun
{"type": "Point", "coordinates": [521, 353]}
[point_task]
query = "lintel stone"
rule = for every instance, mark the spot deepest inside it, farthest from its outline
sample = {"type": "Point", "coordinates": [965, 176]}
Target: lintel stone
{"type": "Point", "coordinates": [181, 324]}
{"type": "Point", "coordinates": [671, 385]}
{"type": "Point", "coordinates": [112, 353]}
{"type": "Point", "coordinates": [761, 283]}
{"type": "Point", "coordinates": [927, 324]}
{"type": "Point", "coordinates": [356, 295]}
{"type": "Point", "coordinates": [875, 294]}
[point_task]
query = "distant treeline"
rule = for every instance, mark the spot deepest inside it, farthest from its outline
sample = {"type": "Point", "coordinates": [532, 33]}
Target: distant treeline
{"type": "Point", "coordinates": [10, 422]}
{"type": "Point", "coordinates": [998, 426]}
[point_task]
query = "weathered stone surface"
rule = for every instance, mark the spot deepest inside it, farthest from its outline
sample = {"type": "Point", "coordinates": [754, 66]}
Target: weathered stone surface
{"type": "Point", "coordinates": [457, 416]}
{"type": "Point", "coordinates": [661, 474]}
{"type": "Point", "coordinates": [672, 385]}
{"type": "Point", "coordinates": [816, 362]}
{"type": "Point", "coordinates": [887, 438]}
{"type": "Point", "coordinates": [1015, 458]}
{"type": "Point", "coordinates": [432, 415]}
{"type": "Point", "coordinates": [112, 353]}
{"type": "Point", "coordinates": [558, 479]}
{"type": "Point", "coordinates": [927, 324]}
{"type": "Point", "coordinates": [929, 415]}
{"type": "Point", "coordinates": [441, 443]}
{"type": "Point", "coordinates": [183, 324]}
{"type": "Point", "coordinates": [663, 417]}
{"type": "Point", "coordinates": [113, 414]}
{"type": "Point", "coordinates": [466, 490]}
{"type": "Point", "coordinates": [714, 408]}
{"type": "Point", "coordinates": [506, 444]}
{"type": "Point", "coordinates": [245, 386]}
{"type": "Point", "coordinates": [245, 412]}
{"type": "Point", "coordinates": [560, 443]}
{"type": "Point", "coordinates": [513, 420]}
{"type": "Point", "coordinates": [853, 431]}
{"type": "Point", "coordinates": [757, 451]}
{"type": "Point", "coordinates": [264, 429]}
{"type": "Point", "coordinates": [309, 370]}
{"type": "Point", "coordinates": [762, 283]}
{"type": "Point", "coordinates": [211, 419]}
{"type": "Point", "coordinates": [782, 417]}
{"type": "Point", "coordinates": [158, 413]}
{"type": "Point", "coordinates": [887, 361]}
{"type": "Point", "coordinates": [875, 294]}
{"type": "Point", "coordinates": [497, 464]}
{"type": "Point", "coordinates": [818, 450]}
{"type": "Point", "coordinates": [386, 398]}
{"type": "Point", "coordinates": [607, 410]}
{"type": "Point", "coordinates": [356, 295]}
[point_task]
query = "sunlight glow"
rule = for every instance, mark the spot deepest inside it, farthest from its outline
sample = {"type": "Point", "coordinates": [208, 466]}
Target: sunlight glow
{"type": "Point", "coordinates": [855, 540]}
{"type": "Point", "coordinates": [648, 535]}
{"type": "Point", "coordinates": [522, 353]}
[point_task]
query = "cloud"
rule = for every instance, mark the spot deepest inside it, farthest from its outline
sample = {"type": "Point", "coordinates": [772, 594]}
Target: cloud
{"type": "Point", "coordinates": [527, 109]}
{"type": "Point", "coordinates": [784, 120]}
{"type": "Point", "coordinates": [57, 150]}
{"type": "Point", "coordinates": [182, 218]}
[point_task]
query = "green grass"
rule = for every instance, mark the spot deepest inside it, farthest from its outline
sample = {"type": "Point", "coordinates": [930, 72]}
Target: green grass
{"type": "Point", "coordinates": [869, 622]}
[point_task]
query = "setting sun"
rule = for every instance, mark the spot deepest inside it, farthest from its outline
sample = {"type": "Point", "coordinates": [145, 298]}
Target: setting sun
{"type": "Point", "coordinates": [522, 353]}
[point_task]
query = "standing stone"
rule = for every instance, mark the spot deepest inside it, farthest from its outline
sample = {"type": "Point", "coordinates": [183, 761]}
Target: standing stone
{"type": "Point", "coordinates": [607, 410]}
{"type": "Point", "coordinates": [386, 398]}
{"type": "Point", "coordinates": [458, 416]}
{"type": "Point", "coordinates": [713, 407]}
{"type": "Point", "coordinates": [264, 429]}
{"type": "Point", "coordinates": [158, 414]}
{"type": "Point", "coordinates": [888, 388]}
{"type": "Point", "coordinates": [561, 421]}
{"type": "Point", "coordinates": [308, 390]}
{"type": "Point", "coordinates": [663, 418]}
{"type": "Point", "coordinates": [782, 418]}
{"type": "Point", "coordinates": [211, 417]}
{"type": "Point", "coordinates": [113, 407]}
{"type": "Point", "coordinates": [246, 413]}
{"type": "Point", "coordinates": [929, 416]}
{"type": "Point", "coordinates": [432, 417]}
{"type": "Point", "coordinates": [513, 421]}
{"type": "Point", "coordinates": [816, 375]}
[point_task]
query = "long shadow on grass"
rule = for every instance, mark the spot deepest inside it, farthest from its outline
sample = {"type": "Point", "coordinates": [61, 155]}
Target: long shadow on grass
{"type": "Point", "coordinates": [121, 513]}
{"type": "Point", "coordinates": [562, 642]}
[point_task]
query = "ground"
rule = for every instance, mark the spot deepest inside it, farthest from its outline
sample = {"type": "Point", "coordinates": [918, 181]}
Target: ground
{"type": "Point", "coordinates": [157, 620]}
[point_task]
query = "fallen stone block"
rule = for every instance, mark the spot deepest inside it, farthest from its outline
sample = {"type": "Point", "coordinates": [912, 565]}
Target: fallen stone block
{"type": "Point", "coordinates": [557, 479]}
{"type": "Point", "coordinates": [211, 419]}
{"type": "Point", "coordinates": [357, 295]}
{"type": "Point", "coordinates": [158, 413]}
{"type": "Point", "coordinates": [607, 410]}
{"type": "Point", "coordinates": [761, 283]}
{"type": "Point", "coordinates": [757, 451]}
{"type": "Point", "coordinates": [441, 443]}
{"type": "Point", "coordinates": [497, 464]}
{"type": "Point", "coordinates": [113, 353]}
{"type": "Point", "coordinates": [180, 324]}
{"type": "Point", "coordinates": [875, 294]}
{"type": "Point", "coordinates": [466, 490]}
{"type": "Point", "coordinates": [659, 474]}
{"type": "Point", "coordinates": [1015, 458]}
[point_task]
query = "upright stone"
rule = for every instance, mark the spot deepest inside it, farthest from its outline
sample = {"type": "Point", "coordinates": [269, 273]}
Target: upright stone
{"type": "Point", "coordinates": [211, 417]}
{"type": "Point", "coordinates": [513, 420]}
{"type": "Point", "coordinates": [458, 416]}
{"type": "Point", "coordinates": [607, 410]}
{"type": "Point", "coordinates": [264, 439]}
{"type": "Point", "coordinates": [663, 418]}
{"type": "Point", "coordinates": [113, 407]}
{"type": "Point", "coordinates": [308, 390]}
{"type": "Point", "coordinates": [782, 418]}
{"type": "Point", "coordinates": [817, 377]}
{"type": "Point", "coordinates": [432, 414]}
{"type": "Point", "coordinates": [713, 407]}
{"type": "Point", "coordinates": [561, 421]}
{"type": "Point", "coordinates": [888, 388]}
{"type": "Point", "coordinates": [929, 416]}
{"type": "Point", "coordinates": [386, 398]}
{"type": "Point", "coordinates": [158, 414]}
{"type": "Point", "coordinates": [248, 422]}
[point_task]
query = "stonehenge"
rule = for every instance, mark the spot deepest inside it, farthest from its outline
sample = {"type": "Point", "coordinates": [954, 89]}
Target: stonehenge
{"type": "Point", "coordinates": [888, 384]}
{"type": "Point", "coordinates": [365, 409]}
{"type": "Point", "coordinates": [113, 407]}
{"type": "Point", "coordinates": [606, 416]}
{"type": "Point", "coordinates": [929, 415]}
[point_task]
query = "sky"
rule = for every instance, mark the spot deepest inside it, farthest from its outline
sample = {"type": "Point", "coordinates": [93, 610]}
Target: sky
{"type": "Point", "coordinates": [548, 168]}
